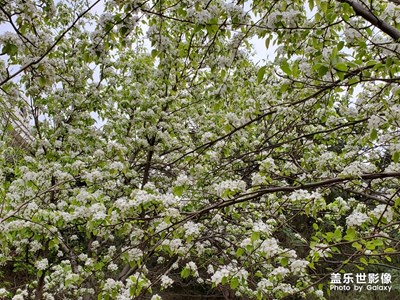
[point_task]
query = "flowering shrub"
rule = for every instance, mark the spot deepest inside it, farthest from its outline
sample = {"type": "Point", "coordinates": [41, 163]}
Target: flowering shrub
{"type": "Point", "coordinates": [144, 150]}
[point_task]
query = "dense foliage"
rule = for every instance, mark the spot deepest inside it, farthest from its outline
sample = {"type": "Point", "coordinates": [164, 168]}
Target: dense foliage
{"type": "Point", "coordinates": [144, 153]}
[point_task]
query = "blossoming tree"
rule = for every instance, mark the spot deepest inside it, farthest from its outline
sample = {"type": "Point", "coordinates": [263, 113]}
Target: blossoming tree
{"type": "Point", "coordinates": [161, 156]}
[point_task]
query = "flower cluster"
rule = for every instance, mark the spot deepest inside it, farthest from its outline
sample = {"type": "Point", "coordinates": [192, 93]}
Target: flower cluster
{"type": "Point", "coordinates": [356, 219]}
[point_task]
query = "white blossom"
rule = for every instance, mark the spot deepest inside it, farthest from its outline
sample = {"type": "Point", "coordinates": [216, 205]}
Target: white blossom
{"type": "Point", "coordinates": [191, 228]}
{"type": "Point", "coordinates": [298, 266]}
{"type": "Point", "coordinates": [230, 185]}
{"type": "Point", "coordinates": [265, 284]}
{"type": "Point", "coordinates": [210, 269]}
{"type": "Point", "coordinates": [356, 219]}
{"type": "Point", "coordinates": [3, 292]}
{"type": "Point", "coordinates": [192, 266]}
{"type": "Point", "coordinates": [319, 293]}
{"type": "Point", "coordinates": [383, 210]}
{"type": "Point", "coordinates": [375, 122]}
{"type": "Point", "coordinates": [166, 281]}
{"type": "Point", "coordinates": [42, 264]}
{"type": "Point", "coordinates": [281, 271]}
{"type": "Point", "coordinates": [270, 247]}
{"type": "Point", "coordinates": [112, 267]}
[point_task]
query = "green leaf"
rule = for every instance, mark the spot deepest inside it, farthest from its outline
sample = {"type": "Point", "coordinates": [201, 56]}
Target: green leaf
{"type": "Point", "coordinates": [255, 236]}
{"type": "Point", "coordinates": [371, 245]}
{"type": "Point", "coordinates": [123, 30]}
{"type": "Point", "coordinates": [260, 74]}
{"type": "Point", "coordinates": [350, 234]}
{"type": "Point", "coordinates": [320, 68]}
{"type": "Point", "coordinates": [234, 283]}
{"type": "Point", "coordinates": [86, 56]}
{"type": "Point", "coordinates": [42, 81]}
{"type": "Point", "coordinates": [356, 245]}
{"type": "Point", "coordinates": [178, 190]}
{"type": "Point", "coordinates": [340, 45]}
{"type": "Point", "coordinates": [337, 234]}
{"type": "Point", "coordinates": [53, 243]}
{"type": "Point", "coordinates": [211, 29]}
{"type": "Point", "coordinates": [335, 249]}
{"type": "Point", "coordinates": [397, 203]}
{"type": "Point", "coordinates": [267, 41]}
{"type": "Point", "coordinates": [185, 273]}
{"type": "Point", "coordinates": [324, 6]}
{"type": "Point", "coordinates": [240, 252]}
{"type": "Point", "coordinates": [374, 134]}
{"type": "Point", "coordinates": [389, 63]}
{"type": "Point", "coordinates": [341, 67]}
{"type": "Point", "coordinates": [10, 49]}
{"type": "Point", "coordinates": [371, 63]}
{"type": "Point", "coordinates": [389, 250]}
{"type": "Point", "coordinates": [364, 261]}
{"type": "Point", "coordinates": [334, 57]}
{"type": "Point", "coordinates": [395, 157]}
{"type": "Point", "coordinates": [285, 67]}
{"type": "Point", "coordinates": [284, 261]}
{"type": "Point", "coordinates": [311, 4]}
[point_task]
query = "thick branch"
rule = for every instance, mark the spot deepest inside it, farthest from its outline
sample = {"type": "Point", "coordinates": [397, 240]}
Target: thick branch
{"type": "Point", "coordinates": [291, 188]}
{"type": "Point", "coordinates": [22, 37]}
{"type": "Point", "coordinates": [374, 20]}
{"type": "Point", "coordinates": [40, 286]}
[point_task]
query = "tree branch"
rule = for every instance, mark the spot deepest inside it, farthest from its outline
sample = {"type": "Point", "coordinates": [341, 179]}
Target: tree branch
{"type": "Point", "coordinates": [374, 20]}
{"type": "Point", "coordinates": [291, 188]}
{"type": "Point", "coordinates": [23, 68]}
